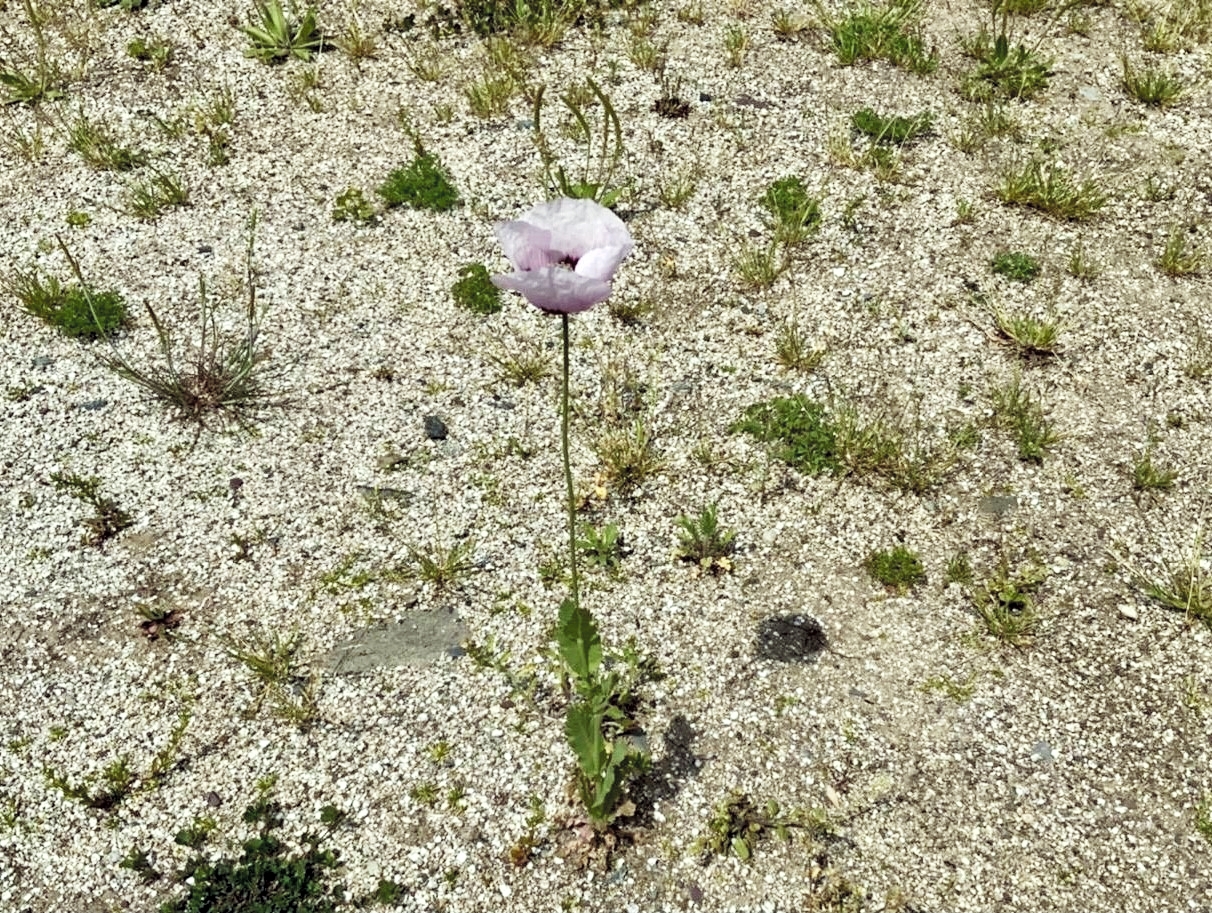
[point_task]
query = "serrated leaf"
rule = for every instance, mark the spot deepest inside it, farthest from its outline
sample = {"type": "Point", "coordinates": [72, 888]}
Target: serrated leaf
{"type": "Point", "coordinates": [578, 639]}
{"type": "Point", "coordinates": [583, 728]}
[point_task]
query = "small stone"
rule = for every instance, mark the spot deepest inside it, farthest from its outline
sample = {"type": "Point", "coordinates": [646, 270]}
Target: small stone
{"type": "Point", "coordinates": [213, 800]}
{"type": "Point", "coordinates": [43, 361]}
{"type": "Point", "coordinates": [1042, 752]}
{"type": "Point", "coordinates": [998, 505]}
{"type": "Point", "coordinates": [1129, 612]}
{"type": "Point", "coordinates": [435, 428]}
{"type": "Point", "coordinates": [93, 405]}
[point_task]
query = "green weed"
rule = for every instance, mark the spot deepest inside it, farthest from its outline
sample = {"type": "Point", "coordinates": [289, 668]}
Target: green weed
{"type": "Point", "coordinates": [473, 290]}
{"type": "Point", "coordinates": [278, 37]}
{"type": "Point", "coordinates": [1006, 604]}
{"type": "Point", "coordinates": [424, 184]}
{"type": "Point", "coordinates": [78, 311]}
{"type": "Point", "coordinates": [892, 130]}
{"type": "Point", "coordinates": [1016, 265]}
{"type": "Point", "coordinates": [352, 206]}
{"type": "Point", "coordinates": [1014, 71]}
{"type": "Point", "coordinates": [898, 569]}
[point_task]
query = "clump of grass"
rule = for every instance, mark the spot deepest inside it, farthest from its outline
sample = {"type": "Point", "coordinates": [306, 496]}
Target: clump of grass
{"type": "Point", "coordinates": [1006, 604]}
{"type": "Point", "coordinates": [1148, 476]}
{"type": "Point", "coordinates": [443, 565]}
{"type": "Point", "coordinates": [1178, 258]}
{"type": "Point", "coordinates": [78, 310]}
{"type": "Point", "coordinates": [156, 51]}
{"type": "Point", "coordinates": [898, 569]}
{"type": "Point", "coordinates": [759, 265]}
{"type": "Point", "coordinates": [1186, 586]}
{"type": "Point", "coordinates": [108, 517]}
{"type": "Point", "coordinates": [1014, 71]}
{"type": "Point", "coordinates": [148, 199]}
{"type": "Point", "coordinates": [1018, 410]}
{"type": "Point", "coordinates": [274, 662]}
{"type": "Point", "coordinates": [601, 547]}
{"type": "Point", "coordinates": [1030, 335]}
{"type": "Point", "coordinates": [1016, 265]}
{"type": "Point", "coordinates": [629, 455]}
{"type": "Point", "coordinates": [224, 377]}
{"type": "Point", "coordinates": [424, 184]}
{"type": "Point", "coordinates": [793, 350]}
{"type": "Point", "coordinates": [97, 146]}
{"type": "Point", "coordinates": [1152, 86]}
{"type": "Point", "coordinates": [474, 291]}
{"type": "Point", "coordinates": [1049, 189]}
{"type": "Point", "coordinates": [891, 32]}
{"type": "Point", "coordinates": [795, 212]}
{"type": "Point", "coordinates": [893, 130]}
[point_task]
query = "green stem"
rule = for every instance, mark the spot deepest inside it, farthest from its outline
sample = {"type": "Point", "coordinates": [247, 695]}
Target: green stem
{"type": "Point", "coordinates": [572, 505]}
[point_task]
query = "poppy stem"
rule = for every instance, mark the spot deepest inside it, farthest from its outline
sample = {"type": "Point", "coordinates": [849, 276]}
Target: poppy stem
{"type": "Point", "coordinates": [572, 505]}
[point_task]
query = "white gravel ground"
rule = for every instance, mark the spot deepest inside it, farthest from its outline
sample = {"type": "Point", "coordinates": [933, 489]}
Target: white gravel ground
{"type": "Point", "coordinates": [1069, 778]}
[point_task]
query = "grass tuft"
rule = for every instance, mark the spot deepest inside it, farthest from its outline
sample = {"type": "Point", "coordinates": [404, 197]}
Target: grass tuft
{"type": "Point", "coordinates": [1049, 189]}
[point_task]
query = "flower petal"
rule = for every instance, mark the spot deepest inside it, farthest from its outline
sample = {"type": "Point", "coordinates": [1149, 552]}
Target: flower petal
{"type": "Point", "coordinates": [579, 226]}
{"type": "Point", "coordinates": [527, 246]}
{"type": "Point", "coordinates": [557, 291]}
{"type": "Point", "coordinates": [601, 262]}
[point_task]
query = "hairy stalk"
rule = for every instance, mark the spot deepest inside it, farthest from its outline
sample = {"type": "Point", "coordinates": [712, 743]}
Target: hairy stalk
{"type": "Point", "coordinates": [572, 504]}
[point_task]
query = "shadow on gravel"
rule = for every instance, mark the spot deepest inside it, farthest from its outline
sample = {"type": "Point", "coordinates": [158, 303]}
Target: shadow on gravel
{"type": "Point", "coordinates": [676, 765]}
{"type": "Point", "coordinates": [791, 639]}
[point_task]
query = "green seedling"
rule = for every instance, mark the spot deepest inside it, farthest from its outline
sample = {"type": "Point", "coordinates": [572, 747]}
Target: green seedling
{"type": "Point", "coordinates": [601, 547]}
{"type": "Point", "coordinates": [600, 716]}
{"type": "Point", "coordinates": [737, 824]}
{"type": "Point", "coordinates": [108, 518]}
{"type": "Point", "coordinates": [1014, 71]}
{"type": "Point", "coordinates": [442, 566]}
{"type": "Point", "coordinates": [273, 660]}
{"type": "Point", "coordinates": [1179, 258]}
{"type": "Point", "coordinates": [147, 200]}
{"type": "Point", "coordinates": [703, 541]}
{"type": "Point", "coordinates": [278, 37]}
{"type": "Point", "coordinates": [1031, 336]}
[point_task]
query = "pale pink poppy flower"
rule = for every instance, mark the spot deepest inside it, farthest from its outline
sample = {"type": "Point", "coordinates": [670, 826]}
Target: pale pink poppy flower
{"type": "Point", "coordinates": [564, 254]}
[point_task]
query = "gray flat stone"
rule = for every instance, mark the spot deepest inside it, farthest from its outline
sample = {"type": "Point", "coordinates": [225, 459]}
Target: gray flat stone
{"type": "Point", "coordinates": [421, 639]}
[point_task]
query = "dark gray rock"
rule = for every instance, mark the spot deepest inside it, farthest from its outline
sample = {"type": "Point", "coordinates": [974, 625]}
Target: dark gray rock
{"type": "Point", "coordinates": [422, 638]}
{"type": "Point", "coordinates": [435, 428]}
